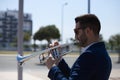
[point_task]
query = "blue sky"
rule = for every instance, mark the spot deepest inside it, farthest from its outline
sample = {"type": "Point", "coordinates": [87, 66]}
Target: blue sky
{"type": "Point", "coordinates": [46, 12]}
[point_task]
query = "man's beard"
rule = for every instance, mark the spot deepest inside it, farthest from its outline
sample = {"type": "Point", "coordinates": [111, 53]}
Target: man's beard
{"type": "Point", "coordinates": [83, 40]}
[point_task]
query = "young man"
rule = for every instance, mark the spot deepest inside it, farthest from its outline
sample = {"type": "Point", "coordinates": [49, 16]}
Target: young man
{"type": "Point", "coordinates": [94, 63]}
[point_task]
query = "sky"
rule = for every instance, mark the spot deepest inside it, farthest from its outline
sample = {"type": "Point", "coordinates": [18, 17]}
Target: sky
{"type": "Point", "coordinates": [48, 12]}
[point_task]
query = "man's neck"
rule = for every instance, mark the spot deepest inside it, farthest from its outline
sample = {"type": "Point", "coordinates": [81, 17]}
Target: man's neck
{"type": "Point", "coordinates": [94, 40]}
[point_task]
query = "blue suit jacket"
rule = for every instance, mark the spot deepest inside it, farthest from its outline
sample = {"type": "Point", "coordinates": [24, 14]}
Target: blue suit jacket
{"type": "Point", "coordinates": [93, 64]}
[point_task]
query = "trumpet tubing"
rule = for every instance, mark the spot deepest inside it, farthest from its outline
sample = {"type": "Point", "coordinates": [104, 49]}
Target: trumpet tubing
{"type": "Point", "coordinates": [55, 51]}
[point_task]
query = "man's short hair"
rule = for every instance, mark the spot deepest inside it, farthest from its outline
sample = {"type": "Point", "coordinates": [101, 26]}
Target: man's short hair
{"type": "Point", "coordinates": [91, 21]}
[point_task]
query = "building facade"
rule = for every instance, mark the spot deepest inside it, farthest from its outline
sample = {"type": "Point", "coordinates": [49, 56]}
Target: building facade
{"type": "Point", "coordinates": [8, 29]}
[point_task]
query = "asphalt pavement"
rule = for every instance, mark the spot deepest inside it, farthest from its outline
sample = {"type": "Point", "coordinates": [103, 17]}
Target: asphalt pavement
{"type": "Point", "coordinates": [33, 70]}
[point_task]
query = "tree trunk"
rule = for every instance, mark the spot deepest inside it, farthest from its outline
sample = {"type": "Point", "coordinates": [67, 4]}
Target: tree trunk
{"type": "Point", "coordinates": [34, 46]}
{"type": "Point", "coordinates": [49, 41]}
{"type": "Point", "coordinates": [118, 57]}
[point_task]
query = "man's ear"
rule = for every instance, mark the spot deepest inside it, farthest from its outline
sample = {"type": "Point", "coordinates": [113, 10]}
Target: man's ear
{"type": "Point", "coordinates": [88, 31]}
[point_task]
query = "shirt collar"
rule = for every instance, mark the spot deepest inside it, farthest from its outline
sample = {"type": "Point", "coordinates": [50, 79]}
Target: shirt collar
{"type": "Point", "coordinates": [85, 48]}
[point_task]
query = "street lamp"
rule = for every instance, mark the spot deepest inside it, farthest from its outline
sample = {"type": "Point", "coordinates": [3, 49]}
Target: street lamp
{"type": "Point", "coordinates": [62, 20]}
{"type": "Point", "coordinates": [88, 6]}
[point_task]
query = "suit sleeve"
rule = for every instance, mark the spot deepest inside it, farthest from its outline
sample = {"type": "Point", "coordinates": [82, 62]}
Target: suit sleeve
{"type": "Point", "coordinates": [63, 66]}
{"type": "Point", "coordinates": [82, 69]}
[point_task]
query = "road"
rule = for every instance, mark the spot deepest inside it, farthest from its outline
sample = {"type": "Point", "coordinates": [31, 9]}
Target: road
{"type": "Point", "coordinates": [8, 63]}
{"type": "Point", "coordinates": [34, 68]}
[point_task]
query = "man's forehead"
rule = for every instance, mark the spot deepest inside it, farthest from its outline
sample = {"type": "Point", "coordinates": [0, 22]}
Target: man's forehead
{"type": "Point", "coordinates": [78, 25]}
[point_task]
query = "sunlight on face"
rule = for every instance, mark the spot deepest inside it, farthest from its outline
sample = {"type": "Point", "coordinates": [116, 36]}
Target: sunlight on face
{"type": "Point", "coordinates": [80, 35]}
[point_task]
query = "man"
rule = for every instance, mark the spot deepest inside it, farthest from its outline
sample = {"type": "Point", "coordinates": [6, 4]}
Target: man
{"type": "Point", "coordinates": [94, 63]}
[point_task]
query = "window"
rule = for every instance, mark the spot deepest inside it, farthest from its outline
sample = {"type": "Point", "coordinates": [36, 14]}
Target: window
{"type": "Point", "coordinates": [1, 23]}
{"type": "Point", "coordinates": [2, 14]}
{"type": "Point", "coordinates": [1, 31]}
{"type": "Point", "coordinates": [27, 26]}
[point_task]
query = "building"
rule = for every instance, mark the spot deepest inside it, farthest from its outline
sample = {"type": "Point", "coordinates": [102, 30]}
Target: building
{"type": "Point", "coordinates": [8, 29]}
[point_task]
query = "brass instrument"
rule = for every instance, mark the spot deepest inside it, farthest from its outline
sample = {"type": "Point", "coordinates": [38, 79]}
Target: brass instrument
{"type": "Point", "coordinates": [55, 52]}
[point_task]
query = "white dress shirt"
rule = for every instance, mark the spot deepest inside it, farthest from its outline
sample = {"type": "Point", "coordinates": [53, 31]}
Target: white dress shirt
{"type": "Point", "coordinates": [85, 48]}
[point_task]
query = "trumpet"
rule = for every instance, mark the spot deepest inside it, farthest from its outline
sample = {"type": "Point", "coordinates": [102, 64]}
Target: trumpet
{"type": "Point", "coordinates": [56, 52]}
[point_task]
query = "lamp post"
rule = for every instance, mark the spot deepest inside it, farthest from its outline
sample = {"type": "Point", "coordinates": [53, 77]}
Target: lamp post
{"type": "Point", "coordinates": [62, 20]}
{"type": "Point", "coordinates": [88, 6]}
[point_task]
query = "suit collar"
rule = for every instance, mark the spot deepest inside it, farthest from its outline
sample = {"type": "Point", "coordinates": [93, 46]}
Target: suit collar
{"type": "Point", "coordinates": [85, 48]}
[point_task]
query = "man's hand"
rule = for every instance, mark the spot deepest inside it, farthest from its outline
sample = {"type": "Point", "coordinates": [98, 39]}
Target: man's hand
{"type": "Point", "coordinates": [49, 63]}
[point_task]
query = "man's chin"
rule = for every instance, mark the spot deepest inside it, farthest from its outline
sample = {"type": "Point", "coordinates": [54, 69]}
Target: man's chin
{"type": "Point", "coordinates": [81, 44]}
